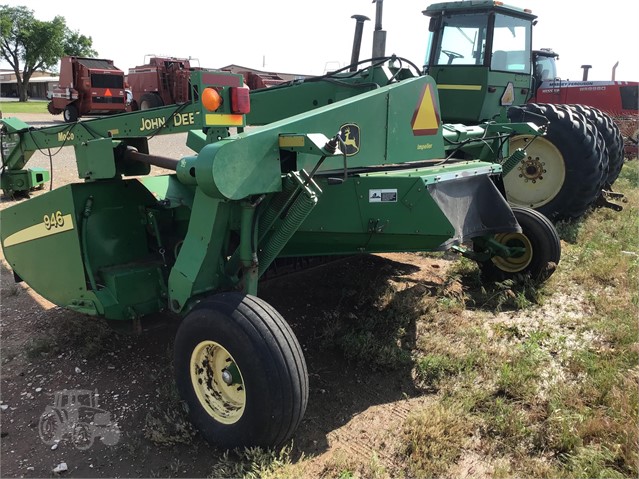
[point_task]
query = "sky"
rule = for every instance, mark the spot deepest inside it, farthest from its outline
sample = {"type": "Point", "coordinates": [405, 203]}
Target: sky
{"type": "Point", "coordinates": [304, 37]}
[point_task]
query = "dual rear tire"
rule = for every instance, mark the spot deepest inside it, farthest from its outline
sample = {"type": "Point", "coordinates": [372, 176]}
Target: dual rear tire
{"type": "Point", "coordinates": [564, 170]}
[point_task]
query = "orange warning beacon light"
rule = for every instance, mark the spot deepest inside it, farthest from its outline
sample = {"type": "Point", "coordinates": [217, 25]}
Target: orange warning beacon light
{"type": "Point", "coordinates": [211, 99]}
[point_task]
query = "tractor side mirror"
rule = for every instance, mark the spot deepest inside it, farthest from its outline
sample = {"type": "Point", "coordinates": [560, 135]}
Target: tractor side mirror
{"type": "Point", "coordinates": [434, 24]}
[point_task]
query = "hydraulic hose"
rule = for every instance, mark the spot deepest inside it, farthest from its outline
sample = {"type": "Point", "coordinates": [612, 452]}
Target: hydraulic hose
{"type": "Point", "coordinates": [88, 206]}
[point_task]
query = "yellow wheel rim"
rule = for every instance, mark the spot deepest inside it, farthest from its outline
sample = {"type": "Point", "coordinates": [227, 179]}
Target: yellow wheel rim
{"type": "Point", "coordinates": [539, 177]}
{"type": "Point", "coordinates": [514, 264]}
{"type": "Point", "coordinates": [218, 382]}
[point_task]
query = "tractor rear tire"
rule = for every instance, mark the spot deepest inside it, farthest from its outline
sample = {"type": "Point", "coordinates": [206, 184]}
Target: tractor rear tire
{"type": "Point", "coordinates": [241, 371]}
{"type": "Point", "coordinates": [70, 114]}
{"type": "Point", "coordinates": [542, 249]}
{"type": "Point", "coordinates": [150, 100]}
{"type": "Point", "coordinates": [612, 137]}
{"type": "Point", "coordinates": [50, 428]}
{"type": "Point", "coordinates": [562, 172]}
{"type": "Point", "coordinates": [82, 436]}
{"type": "Point", "coordinates": [600, 143]}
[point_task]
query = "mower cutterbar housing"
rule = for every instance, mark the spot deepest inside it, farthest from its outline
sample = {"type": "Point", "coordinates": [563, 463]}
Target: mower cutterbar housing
{"type": "Point", "coordinates": [364, 174]}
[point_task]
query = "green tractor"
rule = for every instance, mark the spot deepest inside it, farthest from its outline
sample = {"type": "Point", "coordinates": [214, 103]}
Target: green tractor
{"type": "Point", "coordinates": [349, 163]}
{"type": "Point", "coordinates": [480, 55]}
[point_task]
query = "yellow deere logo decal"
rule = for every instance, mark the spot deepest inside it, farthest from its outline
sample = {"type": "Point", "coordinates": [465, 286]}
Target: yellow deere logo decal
{"type": "Point", "coordinates": [350, 136]}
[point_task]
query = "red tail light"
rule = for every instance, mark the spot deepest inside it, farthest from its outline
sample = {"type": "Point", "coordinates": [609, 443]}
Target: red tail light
{"type": "Point", "coordinates": [240, 101]}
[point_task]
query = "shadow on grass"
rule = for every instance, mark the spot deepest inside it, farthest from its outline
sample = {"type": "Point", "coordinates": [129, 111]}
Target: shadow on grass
{"type": "Point", "coordinates": [357, 331]}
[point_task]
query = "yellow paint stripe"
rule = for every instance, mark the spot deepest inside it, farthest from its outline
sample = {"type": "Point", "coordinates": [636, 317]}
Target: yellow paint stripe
{"type": "Point", "coordinates": [459, 87]}
{"type": "Point", "coordinates": [218, 119]}
{"type": "Point", "coordinates": [291, 141]}
{"type": "Point", "coordinates": [38, 231]}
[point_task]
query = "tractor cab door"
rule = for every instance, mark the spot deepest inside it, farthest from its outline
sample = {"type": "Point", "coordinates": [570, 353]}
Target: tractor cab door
{"type": "Point", "coordinates": [481, 61]}
{"type": "Point", "coordinates": [547, 87]}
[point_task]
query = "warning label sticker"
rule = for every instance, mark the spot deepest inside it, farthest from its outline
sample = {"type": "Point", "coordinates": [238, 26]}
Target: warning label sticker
{"type": "Point", "coordinates": [382, 196]}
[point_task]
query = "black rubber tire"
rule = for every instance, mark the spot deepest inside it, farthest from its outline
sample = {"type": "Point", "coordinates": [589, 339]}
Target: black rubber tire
{"type": "Point", "coordinates": [545, 249]}
{"type": "Point", "coordinates": [82, 436]}
{"type": "Point", "coordinates": [569, 134]}
{"type": "Point", "coordinates": [612, 137]}
{"type": "Point", "coordinates": [600, 145]}
{"type": "Point", "coordinates": [270, 361]}
{"type": "Point", "coordinates": [150, 100]}
{"type": "Point", "coordinates": [70, 113]}
{"type": "Point", "coordinates": [52, 109]}
{"type": "Point", "coordinates": [50, 428]}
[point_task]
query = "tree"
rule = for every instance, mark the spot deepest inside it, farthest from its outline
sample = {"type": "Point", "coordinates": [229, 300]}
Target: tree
{"type": "Point", "coordinates": [29, 44]}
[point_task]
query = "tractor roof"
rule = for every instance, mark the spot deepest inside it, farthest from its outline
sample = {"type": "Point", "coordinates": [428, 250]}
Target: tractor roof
{"type": "Point", "coordinates": [477, 5]}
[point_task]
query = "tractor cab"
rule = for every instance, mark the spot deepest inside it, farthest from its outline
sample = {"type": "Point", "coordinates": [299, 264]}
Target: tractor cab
{"type": "Point", "coordinates": [545, 62]}
{"type": "Point", "coordinates": [480, 55]}
{"type": "Point", "coordinates": [75, 399]}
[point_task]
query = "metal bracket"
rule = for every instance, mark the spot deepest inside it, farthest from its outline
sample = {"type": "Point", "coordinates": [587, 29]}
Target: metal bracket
{"type": "Point", "coordinates": [374, 225]}
{"type": "Point", "coordinates": [491, 248]}
{"type": "Point", "coordinates": [310, 143]}
{"type": "Point", "coordinates": [605, 196]}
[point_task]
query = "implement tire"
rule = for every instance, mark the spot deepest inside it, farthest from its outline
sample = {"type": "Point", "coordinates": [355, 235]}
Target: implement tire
{"type": "Point", "coordinates": [150, 100]}
{"type": "Point", "coordinates": [241, 371]}
{"type": "Point", "coordinates": [70, 113]}
{"type": "Point", "coordinates": [542, 249]}
{"type": "Point", "coordinates": [562, 173]}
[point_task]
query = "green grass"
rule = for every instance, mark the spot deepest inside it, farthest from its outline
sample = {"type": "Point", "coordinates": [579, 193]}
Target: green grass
{"type": "Point", "coordinates": [11, 107]}
{"type": "Point", "coordinates": [255, 463]}
{"type": "Point", "coordinates": [553, 392]}
{"type": "Point", "coordinates": [434, 438]}
{"type": "Point", "coordinates": [543, 392]}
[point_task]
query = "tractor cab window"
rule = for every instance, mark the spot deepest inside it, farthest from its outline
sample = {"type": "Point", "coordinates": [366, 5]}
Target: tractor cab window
{"type": "Point", "coordinates": [84, 400]}
{"type": "Point", "coordinates": [463, 40]}
{"type": "Point", "coordinates": [545, 68]}
{"type": "Point", "coordinates": [511, 44]}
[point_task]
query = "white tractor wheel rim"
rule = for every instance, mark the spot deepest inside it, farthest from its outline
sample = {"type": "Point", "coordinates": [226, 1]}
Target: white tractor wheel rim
{"type": "Point", "coordinates": [218, 382]}
{"type": "Point", "coordinates": [539, 177]}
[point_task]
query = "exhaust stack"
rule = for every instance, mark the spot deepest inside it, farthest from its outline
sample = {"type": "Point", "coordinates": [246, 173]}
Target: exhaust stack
{"type": "Point", "coordinates": [379, 35]}
{"type": "Point", "coordinates": [357, 40]}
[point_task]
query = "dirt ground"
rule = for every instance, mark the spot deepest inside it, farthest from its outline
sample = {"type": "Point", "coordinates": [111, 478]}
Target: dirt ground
{"type": "Point", "coordinates": [353, 410]}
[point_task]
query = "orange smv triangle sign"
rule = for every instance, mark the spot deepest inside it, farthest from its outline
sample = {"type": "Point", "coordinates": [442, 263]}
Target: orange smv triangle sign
{"type": "Point", "coordinates": [426, 117]}
{"type": "Point", "coordinates": [108, 93]}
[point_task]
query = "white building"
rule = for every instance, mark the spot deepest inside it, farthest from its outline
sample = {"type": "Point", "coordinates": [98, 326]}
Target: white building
{"type": "Point", "coordinates": [39, 84]}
